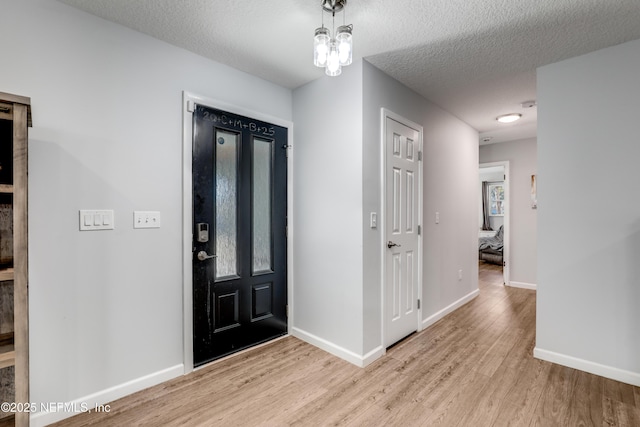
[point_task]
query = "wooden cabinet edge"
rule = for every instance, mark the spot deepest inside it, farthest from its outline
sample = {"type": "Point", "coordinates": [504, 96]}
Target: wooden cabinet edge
{"type": "Point", "coordinates": [19, 356]}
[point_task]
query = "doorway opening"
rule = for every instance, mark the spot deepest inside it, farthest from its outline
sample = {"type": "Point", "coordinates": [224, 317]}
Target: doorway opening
{"type": "Point", "coordinates": [493, 216]}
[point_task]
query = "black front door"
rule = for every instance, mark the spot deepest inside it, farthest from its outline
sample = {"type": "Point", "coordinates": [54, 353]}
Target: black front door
{"type": "Point", "coordinates": [239, 233]}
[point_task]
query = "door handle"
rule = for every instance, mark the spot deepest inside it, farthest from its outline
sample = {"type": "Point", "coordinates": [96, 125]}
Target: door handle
{"type": "Point", "coordinates": [390, 244]}
{"type": "Point", "coordinates": [203, 255]}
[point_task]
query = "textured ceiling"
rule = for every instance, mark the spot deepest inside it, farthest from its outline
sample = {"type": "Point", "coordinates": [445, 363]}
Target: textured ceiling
{"type": "Point", "coordinates": [476, 59]}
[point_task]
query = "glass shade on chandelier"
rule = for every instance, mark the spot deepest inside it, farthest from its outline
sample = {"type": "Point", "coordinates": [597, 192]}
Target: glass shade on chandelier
{"type": "Point", "coordinates": [333, 68]}
{"type": "Point", "coordinates": [333, 53]}
{"type": "Point", "coordinates": [345, 44]}
{"type": "Point", "coordinates": [321, 43]}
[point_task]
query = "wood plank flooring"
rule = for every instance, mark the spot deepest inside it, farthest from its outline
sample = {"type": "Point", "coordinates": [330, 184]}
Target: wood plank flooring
{"type": "Point", "coordinates": [472, 368]}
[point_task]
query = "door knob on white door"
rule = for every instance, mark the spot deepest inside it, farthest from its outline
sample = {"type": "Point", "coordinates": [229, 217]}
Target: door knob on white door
{"type": "Point", "coordinates": [390, 244]}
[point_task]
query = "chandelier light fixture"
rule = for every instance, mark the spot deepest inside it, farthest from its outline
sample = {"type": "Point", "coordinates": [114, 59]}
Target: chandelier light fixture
{"type": "Point", "coordinates": [333, 53]}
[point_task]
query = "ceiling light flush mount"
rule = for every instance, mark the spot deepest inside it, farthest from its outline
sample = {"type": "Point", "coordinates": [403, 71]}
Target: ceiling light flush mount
{"type": "Point", "coordinates": [333, 53]}
{"type": "Point", "coordinates": [509, 118]}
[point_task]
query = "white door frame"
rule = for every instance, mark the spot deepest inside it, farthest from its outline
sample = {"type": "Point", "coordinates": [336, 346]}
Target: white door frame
{"type": "Point", "coordinates": [507, 219]}
{"type": "Point", "coordinates": [384, 114]}
{"type": "Point", "coordinates": [188, 100]}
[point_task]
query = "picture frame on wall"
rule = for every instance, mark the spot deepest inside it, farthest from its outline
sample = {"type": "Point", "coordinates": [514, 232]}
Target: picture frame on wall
{"type": "Point", "coordinates": [534, 193]}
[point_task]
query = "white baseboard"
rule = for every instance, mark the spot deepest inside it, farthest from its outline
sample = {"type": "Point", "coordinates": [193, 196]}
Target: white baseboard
{"type": "Point", "coordinates": [69, 409]}
{"type": "Point", "coordinates": [617, 374]}
{"type": "Point", "coordinates": [373, 355]}
{"type": "Point", "coordinates": [348, 355]}
{"type": "Point", "coordinates": [522, 285]}
{"type": "Point", "coordinates": [448, 309]}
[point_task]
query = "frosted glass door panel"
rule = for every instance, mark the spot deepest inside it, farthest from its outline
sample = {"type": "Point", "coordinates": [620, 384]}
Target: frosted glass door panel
{"type": "Point", "coordinates": [226, 187]}
{"type": "Point", "coordinates": [262, 194]}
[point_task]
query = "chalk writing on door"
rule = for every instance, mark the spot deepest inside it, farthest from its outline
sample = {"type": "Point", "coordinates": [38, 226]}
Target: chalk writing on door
{"type": "Point", "coordinates": [239, 123]}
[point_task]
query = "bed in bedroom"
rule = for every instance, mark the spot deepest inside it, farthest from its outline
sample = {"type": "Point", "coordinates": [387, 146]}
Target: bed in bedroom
{"type": "Point", "coordinates": [490, 248]}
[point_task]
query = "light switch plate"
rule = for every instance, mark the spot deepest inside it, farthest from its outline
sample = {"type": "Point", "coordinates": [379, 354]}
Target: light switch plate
{"type": "Point", "coordinates": [374, 220]}
{"type": "Point", "coordinates": [146, 219]}
{"type": "Point", "coordinates": [91, 220]}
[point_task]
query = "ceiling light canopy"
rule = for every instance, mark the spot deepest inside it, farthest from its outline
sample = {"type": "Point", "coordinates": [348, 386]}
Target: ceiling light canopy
{"type": "Point", "coordinates": [509, 118]}
{"type": "Point", "coordinates": [333, 53]}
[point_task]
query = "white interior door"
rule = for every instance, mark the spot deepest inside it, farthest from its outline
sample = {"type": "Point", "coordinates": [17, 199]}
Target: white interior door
{"type": "Point", "coordinates": [403, 146]}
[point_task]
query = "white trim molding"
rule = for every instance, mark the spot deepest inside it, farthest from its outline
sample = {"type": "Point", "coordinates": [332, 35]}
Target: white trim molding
{"type": "Point", "coordinates": [359, 360]}
{"type": "Point", "coordinates": [450, 308]}
{"type": "Point", "coordinates": [522, 285]}
{"type": "Point", "coordinates": [61, 411]}
{"type": "Point", "coordinates": [617, 374]}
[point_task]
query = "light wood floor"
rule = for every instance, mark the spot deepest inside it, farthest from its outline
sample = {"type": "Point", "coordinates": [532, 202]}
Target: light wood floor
{"type": "Point", "coordinates": [472, 368]}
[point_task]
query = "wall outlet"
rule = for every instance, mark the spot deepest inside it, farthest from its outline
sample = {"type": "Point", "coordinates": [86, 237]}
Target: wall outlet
{"type": "Point", "coordinates": [437, 217]}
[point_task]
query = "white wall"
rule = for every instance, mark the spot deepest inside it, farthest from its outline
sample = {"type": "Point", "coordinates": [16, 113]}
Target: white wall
{"type": "Point", "coordinates": [589, 213]}
{"type": "Point", "coordinates": [449, 187]}
{"type": "Point", "coordinates": [523, 241]}
{"type": "Point", "coordinates": [327, 187]}
{"type": "Point", "coordinates": [106, 307]}
{"type": "Point", "coordinates": [337, 299]}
